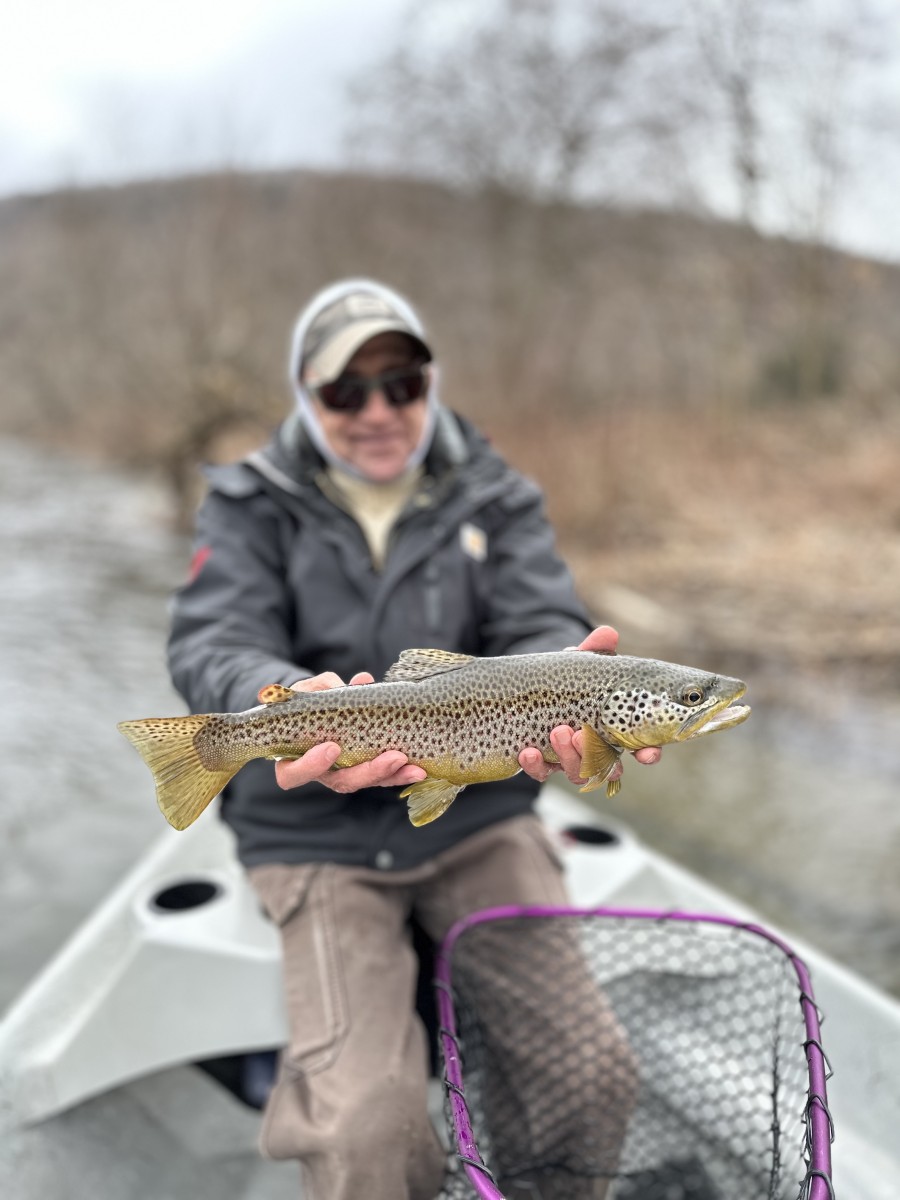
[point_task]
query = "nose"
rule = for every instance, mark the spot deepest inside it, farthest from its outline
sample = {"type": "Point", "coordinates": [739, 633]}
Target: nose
{"type": "Point", "coordinates": [377, 405]}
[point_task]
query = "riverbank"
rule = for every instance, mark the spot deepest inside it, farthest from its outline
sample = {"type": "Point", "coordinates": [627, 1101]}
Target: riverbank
{"type": "Point", "coordinates": [767, 544]}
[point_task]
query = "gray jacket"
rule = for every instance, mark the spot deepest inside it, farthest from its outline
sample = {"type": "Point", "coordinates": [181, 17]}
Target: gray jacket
{"type": "Point", "coordinates": [284, 588]}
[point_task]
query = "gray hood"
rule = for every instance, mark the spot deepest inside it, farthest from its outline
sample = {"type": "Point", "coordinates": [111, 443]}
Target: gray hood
{"type": "Point", "coordinates": [305, 406]}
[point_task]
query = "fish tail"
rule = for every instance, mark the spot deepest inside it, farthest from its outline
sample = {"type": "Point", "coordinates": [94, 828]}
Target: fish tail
{"type": "Point", "coordinates": [184, 784]}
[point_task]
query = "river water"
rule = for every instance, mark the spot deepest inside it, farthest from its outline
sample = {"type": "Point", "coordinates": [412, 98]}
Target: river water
{"type": "Point", "coordinates": [796, 812]}
{"type": "Point", "coordinates": [87, 563]}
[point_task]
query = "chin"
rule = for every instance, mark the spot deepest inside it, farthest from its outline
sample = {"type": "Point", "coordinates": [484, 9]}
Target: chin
{"type": "Point", "coordinates": [382, 472]}
{"type": "Point", "coordinates": [381, 469]}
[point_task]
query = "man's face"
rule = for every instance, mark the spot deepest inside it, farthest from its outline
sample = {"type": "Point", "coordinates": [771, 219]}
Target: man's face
{"type": "Point", "coordinates": [378, 440]}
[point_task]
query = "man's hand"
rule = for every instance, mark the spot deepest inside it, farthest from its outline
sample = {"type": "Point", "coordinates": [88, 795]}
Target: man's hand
{"type": "Point", "coordinates": [390, 769]}
{"type": "Point", "coordinates": [567, 742]}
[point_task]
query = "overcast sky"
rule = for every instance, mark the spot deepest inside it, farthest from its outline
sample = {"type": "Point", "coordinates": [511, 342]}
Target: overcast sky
{"type": "Point", "coordinates": [106, 90]}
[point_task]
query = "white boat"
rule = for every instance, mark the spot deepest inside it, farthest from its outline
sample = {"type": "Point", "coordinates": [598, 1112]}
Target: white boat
{"type": "Point", "coordinates": [99, 1097]}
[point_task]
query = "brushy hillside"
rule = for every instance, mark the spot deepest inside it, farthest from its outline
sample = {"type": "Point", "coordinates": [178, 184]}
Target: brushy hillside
{"type": "Point", "coordinates": [714, 415]}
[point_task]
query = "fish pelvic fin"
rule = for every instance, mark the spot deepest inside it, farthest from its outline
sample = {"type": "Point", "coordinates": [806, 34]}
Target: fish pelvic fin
{"type": "Point", "coordinates": [429, 799]}
{"type": "Point", "coordinates": [184, 785]}
{"type": "Point", "coordinates": [598, 760]}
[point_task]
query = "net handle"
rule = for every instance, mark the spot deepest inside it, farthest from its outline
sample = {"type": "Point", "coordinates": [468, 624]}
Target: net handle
{"type": "Point", "coordinates": [467, 1150]}
{"type": "Point", "coordinates": [819, 1123]}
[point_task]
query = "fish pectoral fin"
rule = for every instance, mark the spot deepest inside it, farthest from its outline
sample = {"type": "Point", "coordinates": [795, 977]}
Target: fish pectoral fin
{"type": "Point", "coordinates": [598, 759]}
{"type": "Point", "coordinates": [275, 693]}
{"type": "Point", "coordinates": [429, 799]}
{"type": "Point", "coordinates": [413, 665]}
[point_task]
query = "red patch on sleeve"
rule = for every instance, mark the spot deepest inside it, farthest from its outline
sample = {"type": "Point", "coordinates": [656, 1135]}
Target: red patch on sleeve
{"type": "Point", "coordinates": [201, 554]}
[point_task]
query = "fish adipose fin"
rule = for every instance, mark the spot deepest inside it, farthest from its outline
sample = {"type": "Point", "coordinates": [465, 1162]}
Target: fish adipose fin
{"type": "Point", "coordinates": [413, 665]}
{"type": "Point", "coordinates": [275, 693]}
{"type": "Point", "coordinates": [429, 799]}
{"type": "Point", "coordinates": [184, 786]}
{"type": "Point", "coordinates": [598, 759]}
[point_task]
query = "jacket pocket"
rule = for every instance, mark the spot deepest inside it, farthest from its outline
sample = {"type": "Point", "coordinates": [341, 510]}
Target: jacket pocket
{"type": "Point", "coordinates": [282, 888]}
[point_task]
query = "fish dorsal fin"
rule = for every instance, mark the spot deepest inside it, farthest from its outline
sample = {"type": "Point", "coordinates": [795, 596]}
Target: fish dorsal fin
{"type": "Point", "coordinates": [275, 693]}
{"type": "Point", "coordinates": [598, 758]}
{"type": "Point", "coordinates": [413, 665]}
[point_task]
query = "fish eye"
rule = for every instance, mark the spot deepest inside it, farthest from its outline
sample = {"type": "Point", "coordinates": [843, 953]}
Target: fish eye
{"type": "Point", "coordinates": [693, 695]}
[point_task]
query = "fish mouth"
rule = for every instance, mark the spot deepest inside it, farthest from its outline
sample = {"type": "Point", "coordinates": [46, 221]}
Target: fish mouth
{"type": "Point", "coordinates": [724, 715]}
{"type": "Point", "coordinates": [725, 718]}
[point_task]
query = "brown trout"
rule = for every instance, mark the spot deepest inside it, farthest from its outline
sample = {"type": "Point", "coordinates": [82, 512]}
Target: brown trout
{"type": "Point", "coordinates": [462, 719]}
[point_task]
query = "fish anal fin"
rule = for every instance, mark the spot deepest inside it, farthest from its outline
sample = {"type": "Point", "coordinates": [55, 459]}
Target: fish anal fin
{"type": "Point", "coordinates": [429, 799]}
{"type": "Point", "coordinates": [598, 758]}
{"type": "Point", "coordinates": [413, 665]}
{"type": "Point", "coordinates": [275, 693]}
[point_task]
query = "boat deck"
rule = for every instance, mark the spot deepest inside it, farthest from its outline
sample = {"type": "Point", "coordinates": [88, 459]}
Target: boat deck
{"type": "Point", "coordinates": [96, 1099]}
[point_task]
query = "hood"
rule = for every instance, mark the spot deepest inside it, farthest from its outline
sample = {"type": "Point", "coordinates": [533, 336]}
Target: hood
{"type": "Point", "coordinates": [305, 406]}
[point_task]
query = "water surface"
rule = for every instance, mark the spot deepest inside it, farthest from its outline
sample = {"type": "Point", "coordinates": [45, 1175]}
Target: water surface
{"type": "Point", "coordinates": [796, 812]}
{"type": "Point", "coordinates": [87, 563]}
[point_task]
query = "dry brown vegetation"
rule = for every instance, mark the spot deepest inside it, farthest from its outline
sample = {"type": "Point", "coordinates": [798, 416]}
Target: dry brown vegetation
{"type": "Point", "coordinates": [774, 543]}
{"type": "Point", "coordinates": [714, 415]}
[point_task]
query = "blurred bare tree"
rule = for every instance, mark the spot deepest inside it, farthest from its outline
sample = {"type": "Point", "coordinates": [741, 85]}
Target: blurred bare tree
{"type": "Point", "coordinates": [530, 98]}
{"type": "Point", "coordinates": [529, 107]}
{"type": "Point", "coordinates": [791, 88]}
{"type": "Point", "coordinates": [534, 107]}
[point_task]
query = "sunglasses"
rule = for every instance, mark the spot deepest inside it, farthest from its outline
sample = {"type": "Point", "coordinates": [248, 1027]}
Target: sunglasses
{"type": "Point", "coordinates": [349, 393]}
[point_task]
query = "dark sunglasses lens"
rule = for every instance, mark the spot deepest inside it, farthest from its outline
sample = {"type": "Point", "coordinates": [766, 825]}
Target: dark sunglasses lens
{"type": "Point", "coordinates": [344, 395]}
{"type": "Point", "coordinates": [349, 394]}
{"type": "Point", "coordinates": [404, 388]}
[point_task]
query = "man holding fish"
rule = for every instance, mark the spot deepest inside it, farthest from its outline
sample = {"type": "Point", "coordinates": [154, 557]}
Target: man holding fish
{"type": "Point", "coordinates": [378, 520]}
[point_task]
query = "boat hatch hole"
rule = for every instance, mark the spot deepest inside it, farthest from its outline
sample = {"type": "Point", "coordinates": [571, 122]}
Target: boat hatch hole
{"type": "Point", "coordinates": [184, 895]}
{"type": "Point", "coordinates": [590, 835]}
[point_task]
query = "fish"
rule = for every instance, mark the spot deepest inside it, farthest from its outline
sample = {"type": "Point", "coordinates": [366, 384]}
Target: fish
{"type": "Point", "coordinates": [463, 719]}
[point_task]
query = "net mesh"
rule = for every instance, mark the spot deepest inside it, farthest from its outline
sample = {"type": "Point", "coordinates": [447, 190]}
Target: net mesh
{"type": "Point", "coordinates": [668, 1056]}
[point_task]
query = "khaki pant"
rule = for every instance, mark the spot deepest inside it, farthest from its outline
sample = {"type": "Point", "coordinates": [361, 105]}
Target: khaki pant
{"type": "Point", "coordinates": [350, 1102]}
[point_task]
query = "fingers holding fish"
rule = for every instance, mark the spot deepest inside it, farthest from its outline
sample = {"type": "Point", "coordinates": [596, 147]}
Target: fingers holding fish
{"type": "Point", "coordinates": [316, 766]}
{"type": "Point", "coordinates": [602, 640]}
{"type": "Point", "coordinates": [648, 755]}
{"type": "Point", "coordinates": [318, 683]}
{"type": "Point", "coordinates": [569, 747]}
{"type": "Point", "coordinates": [390, 769]}
{"type": "Point", "coordinates": [328, 679]}
{"type": "Point", "coordinates": [294, 772]}
{"type": "Point", "coordinates": [567, 743]}
{"type": "Point", "coordinates": [534, 764]}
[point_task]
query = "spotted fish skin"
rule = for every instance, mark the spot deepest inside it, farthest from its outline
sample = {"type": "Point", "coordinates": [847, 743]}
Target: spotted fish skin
{"type": "Point", "coordinates": [462, 719]}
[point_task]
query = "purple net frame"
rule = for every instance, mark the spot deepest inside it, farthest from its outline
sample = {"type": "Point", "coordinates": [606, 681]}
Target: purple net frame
{"type": "Point", "coordinates": [820, 1128]}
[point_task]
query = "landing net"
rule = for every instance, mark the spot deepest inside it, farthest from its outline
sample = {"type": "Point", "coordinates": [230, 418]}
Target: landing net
{"type": "Point", "coordinates": [631, 1055]}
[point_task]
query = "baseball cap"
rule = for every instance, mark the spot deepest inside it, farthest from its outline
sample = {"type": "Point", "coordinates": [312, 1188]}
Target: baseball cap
{"type": "Point", "coordinates": [339, 330]}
